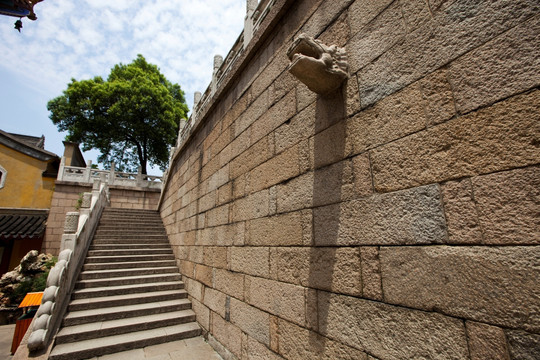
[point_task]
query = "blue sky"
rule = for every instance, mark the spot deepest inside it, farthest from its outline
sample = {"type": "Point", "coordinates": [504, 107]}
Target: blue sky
{"type": "Point", "coordinates": [85, 38]}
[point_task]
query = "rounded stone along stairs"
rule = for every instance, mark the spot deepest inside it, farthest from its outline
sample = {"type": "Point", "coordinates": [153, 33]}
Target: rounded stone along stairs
{"type": "Point", "coordinates": [129, 294]}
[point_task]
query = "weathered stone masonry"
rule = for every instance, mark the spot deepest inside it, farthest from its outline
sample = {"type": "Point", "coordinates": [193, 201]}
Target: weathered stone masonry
{"type": "Point", "coordinates": [397, 218]}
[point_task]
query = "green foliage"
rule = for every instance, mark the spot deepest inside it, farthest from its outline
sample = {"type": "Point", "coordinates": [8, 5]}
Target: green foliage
{"type": "Point", "coordinates": [79, 201]}
{"type": "Point", "coordinates": [132, 118]}
{"type": "Point", "coordinates": [34, 283]}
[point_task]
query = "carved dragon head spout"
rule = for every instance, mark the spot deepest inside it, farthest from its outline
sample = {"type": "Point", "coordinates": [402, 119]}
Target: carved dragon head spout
{"type": "Point", "coordinates": [322, 68]}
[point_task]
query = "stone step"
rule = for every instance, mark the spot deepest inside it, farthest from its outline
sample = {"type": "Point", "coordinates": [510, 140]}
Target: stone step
{"type": "Point", "coordinates": [128, 280]}
{"type": "Point", "coordinates": [133, 220]}
{"type": "Point", "coordinates": [129, 230]}
{"type": "Point", "coordinates": [140, 217]}
{"type": "Point", "coordinates": [125, 299]}
{"type": "Point", "coordinates": [114, 273]}
{"type": "Point", "coordinates": [111, 210]}
{"type": "Point", "coordinates": [116, 246]}
{"type": "Point", "coordinates": [134, 238]}
{"type": "Point", "coordinates": [158, 228]}
{"type": "Point", "coordinates": [128, 265]}
{"type": "Point", "coordinates": [116, 343]}
{"type": "Point", "coordinates": [125, 258]}
{"type": "Point", "coordinates": [124, 311]}
{"type": "Point", "coordinates": [126, 289]}
{"type": "Point", "coordinates": [121, 252]}
{"type": "Point", "coordinates": [123, 326]}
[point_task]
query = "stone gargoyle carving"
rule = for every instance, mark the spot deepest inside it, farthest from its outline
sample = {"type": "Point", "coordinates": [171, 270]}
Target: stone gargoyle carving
{"type": "Point", "coordinates": [322, 68]}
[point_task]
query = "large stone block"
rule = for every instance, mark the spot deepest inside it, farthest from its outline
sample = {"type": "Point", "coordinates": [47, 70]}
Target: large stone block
{"type": "Point", "coordinates": [295, 194]}
{"type": "Point", "coordinates": [509, 206]}
{"type": "Point", "coordinates": [250, 260]}
{"type": "Point", "coordinates": [498, 285]}
{"type": "Point", "coordinates": [329, 145]}
{"type": "Point", "coordinates": [391, 332]}
{"type": "Point", "coordinates": [226, 235]}
{"type": "Point", "coordinates": [392, 118]}
{"type": "Point", "coordinates": [255, 155]}
{"type": "Point", "coordinates": [300, 127]}
{"type": "Point", "coordinates": [486, 342]}
{"type": "Point", "coordinates": [415, 13]}
{"type": "Point", "coordinates": [505, 66]}
{"type": "Point", "coordinates": [299, 343]}
{"type": "Point", "coordinates": [227, 334]}
{"type": "Point", "coordinates": [371, 273]}
{"type": "Point", "coordinates": [362, 12]}
{"type": "Point", "coordinates": [215, 301]}
{"type": "Point", "coordinates": [281, 112]}
{"type": "Point", "coordinates": [277, 169]}
{"type": "Point", "coordinates": [252, 321]}
{"type": "Point", "coordinates": [500, 137]}
{"type": "Point", "coordinates": [252, 206]}
{"type": "Point", "coordinates": [461, 212]}
{"type": "Point", "coordinates": [281, 299]}
{"type": "Point", "coordinates": [218, 216]}
{"type": "Point", "coordinates": [326, 13]}
{"type": "Point", "coordinates": [439, 103]}
{"type": "Point", "coordinates": [332, 269]}
{"type": "Point", "coordinates": [377, 37]}
{"type": "Point", "coordinates": [202, 313]}
{"type": "Point", "coordinates": [229, 283]}
{"type": "Point", "coordinates": [460, 27]}
{"type": "Point", "coordinates": [523, 345]}
{"type": "Point", "coordinates": [252, 113]}
{"type": "Point", "coordinates": [412, 216]}
{"type": "Point", "coordinates": [279, 230]}
{"type": "Point", "coordinates": [257, 351]}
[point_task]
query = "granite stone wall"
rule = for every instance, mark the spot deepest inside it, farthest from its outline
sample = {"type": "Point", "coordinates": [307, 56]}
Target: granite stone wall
{"type": "Point", "coordinates": [397, 218]}
{"type": "Point", "coordinates": [66, 196]}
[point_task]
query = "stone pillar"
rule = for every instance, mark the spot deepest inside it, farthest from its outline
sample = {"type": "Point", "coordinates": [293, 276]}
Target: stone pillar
{"type": "Point", "coordinates": [111, 174]}
{"type": "Point", "coordinates": [196, 99]}
{"type": "Point", "coordinates": [72, 222]}
{"type": "Point", "coordinates": [61, 169]}
{"type": "Point", "coordinates": [251, 5]}
{"type": "Point", "coordinates": [88, 172]}
{"type": "Point", "coordinates": [86, 200]}
{"type": "Point", "coordinates": [218, 60]}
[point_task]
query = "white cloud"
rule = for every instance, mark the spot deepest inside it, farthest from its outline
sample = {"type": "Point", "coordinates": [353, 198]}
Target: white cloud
{"type": "Point", "coordinates": [84, 39]}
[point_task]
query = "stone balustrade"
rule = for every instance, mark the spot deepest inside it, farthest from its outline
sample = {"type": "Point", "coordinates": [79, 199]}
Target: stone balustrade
{"type": "Point", "coordinates": [78, 231]}
{"type": "Point", "coordinates": [112, 177]}
{"type": "Point", "coordinates": [256, 12]}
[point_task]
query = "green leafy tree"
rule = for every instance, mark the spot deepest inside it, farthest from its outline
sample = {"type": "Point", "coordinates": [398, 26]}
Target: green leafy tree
{"type": "Point", "coordinates": [132, 118]}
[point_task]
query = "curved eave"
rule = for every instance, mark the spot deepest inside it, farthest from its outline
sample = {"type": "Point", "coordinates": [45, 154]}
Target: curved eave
{"type": "Point", "coordinates": [36, 153]}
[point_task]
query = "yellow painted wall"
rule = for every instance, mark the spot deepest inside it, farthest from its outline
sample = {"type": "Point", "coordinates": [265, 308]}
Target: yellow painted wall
{"type": "Point", "coordinates": [24, 187]}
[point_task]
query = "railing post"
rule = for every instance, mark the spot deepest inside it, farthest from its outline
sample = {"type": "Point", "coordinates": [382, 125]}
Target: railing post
{"type": "Point", "coordinates": [218, 60]}
{"type": "Point", "coordinates": [61, 169]}
{"type": "Point", "coordinates": [140, 181]}
{"type": "Point", "coordinates": [111, 174]}
{"type": "Point", "coordinates": [71, 225]}
{"type": "Point", "coordinates": [251, 5]}
{"type": "Point", "coordinates": [88, 172]}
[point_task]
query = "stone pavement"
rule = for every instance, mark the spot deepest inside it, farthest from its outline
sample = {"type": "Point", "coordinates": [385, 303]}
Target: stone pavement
{"type": "Point", "coordinates": [189, 349]}
{"type": "Point", "coordinates": [6, 337]}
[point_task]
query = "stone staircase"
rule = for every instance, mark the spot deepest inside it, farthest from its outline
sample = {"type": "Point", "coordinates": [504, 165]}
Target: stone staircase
{"type": "Point", "coordinates": [129, 294]}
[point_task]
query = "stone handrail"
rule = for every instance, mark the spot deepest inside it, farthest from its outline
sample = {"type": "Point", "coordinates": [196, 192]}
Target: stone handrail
{"type": "Point", "coordinates": [256, 13]}
{"type": "Point", "coordinates": [79, 229]}
{"type": "Point", "coordinates": [112, 177]}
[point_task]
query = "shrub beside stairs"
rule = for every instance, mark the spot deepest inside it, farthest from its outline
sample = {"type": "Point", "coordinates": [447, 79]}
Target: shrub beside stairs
{"type": "Point", "coordinates": [129, 294]}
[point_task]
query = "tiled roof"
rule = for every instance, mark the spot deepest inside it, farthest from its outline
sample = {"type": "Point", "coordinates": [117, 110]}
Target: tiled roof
{"type": "Point", "coordinates": [20, 226]}
{"type": "Point", "coordinates": [38, 142]}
